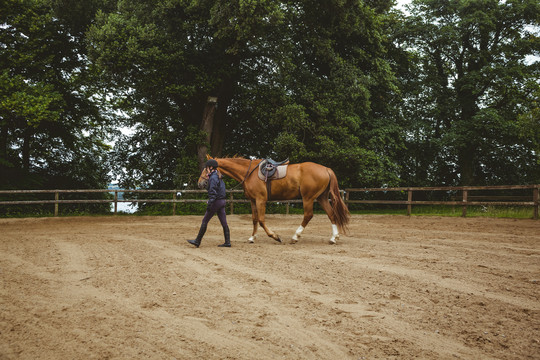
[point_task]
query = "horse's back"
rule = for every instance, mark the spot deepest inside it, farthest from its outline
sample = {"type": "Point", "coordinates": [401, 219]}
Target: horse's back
{"type": "Point", "coordinates": [310, 177]}
{"type": "Point", "coordinates": [313, 169]}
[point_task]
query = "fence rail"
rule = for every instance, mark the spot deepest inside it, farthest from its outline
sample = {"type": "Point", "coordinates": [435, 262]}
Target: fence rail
{"type": "Point", "coordinates": [464, 199]}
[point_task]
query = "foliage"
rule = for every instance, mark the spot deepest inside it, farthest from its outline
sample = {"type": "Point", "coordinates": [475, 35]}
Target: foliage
{"type": "Point", "coordinates": [447, 95]}
{"type": "Point", "coordinates": [335, 78]}
{"type": "Point", "coordinates": [293, 79]}
{"type": "Point", "coordinates": [467, 90]}
{"type": "Point", "coordinates": [53, 124]}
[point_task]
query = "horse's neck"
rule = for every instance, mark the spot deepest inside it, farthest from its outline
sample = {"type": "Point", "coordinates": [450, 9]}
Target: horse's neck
{"type": "Point", "coordinates": [237, 168]}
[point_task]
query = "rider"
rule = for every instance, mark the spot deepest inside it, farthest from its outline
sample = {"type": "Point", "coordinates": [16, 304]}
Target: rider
{"type": "Point", "coordinates": [216, 204]}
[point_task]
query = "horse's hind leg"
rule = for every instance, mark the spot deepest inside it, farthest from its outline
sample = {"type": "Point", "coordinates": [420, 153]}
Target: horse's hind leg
{"type": "Point", "coordinates": [325, 204]}
{"type": "Point", "coordinates": [254, 217]}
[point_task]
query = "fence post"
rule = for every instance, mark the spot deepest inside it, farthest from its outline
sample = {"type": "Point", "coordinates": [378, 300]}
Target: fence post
{"type": "Point", "coordinates": [287, 208]}
{"type": "Point", "coordinates": [56, 197]}
{"type": "Point", "coordinates": [232, 203]}
{"type": "Point", "coordinates": [535, 199]}
{"type": "Point", "coordinates": [115, 202]}
{"type": "Point", "coordinates": [409, 202]}
{"type": "Point", "coordinates": [174, 203]}
{"type": "Point", "coordinates": [464, 200]}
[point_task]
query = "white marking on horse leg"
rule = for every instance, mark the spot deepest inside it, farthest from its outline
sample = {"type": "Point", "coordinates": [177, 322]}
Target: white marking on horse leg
{"type": "Point", "coordinates": [252, 238]}
{"type": "Point", "coordinates": [335, 234]}
{"type": "Point", "coordinates": [297, 234]}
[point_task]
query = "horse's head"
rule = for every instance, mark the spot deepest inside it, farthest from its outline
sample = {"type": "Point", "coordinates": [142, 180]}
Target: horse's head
{"type": "Point", "coordinates": [203, 179]}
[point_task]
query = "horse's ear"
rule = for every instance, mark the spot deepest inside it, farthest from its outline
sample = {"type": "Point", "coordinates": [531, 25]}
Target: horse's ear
{"type": "Point", "coordinates": [208, 157]}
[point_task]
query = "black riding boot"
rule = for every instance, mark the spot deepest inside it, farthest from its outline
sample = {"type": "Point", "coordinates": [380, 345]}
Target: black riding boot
{"type": "Point", "coordinates": [227, 235]}
{"type": "Point", "coordinates": [197, 241]}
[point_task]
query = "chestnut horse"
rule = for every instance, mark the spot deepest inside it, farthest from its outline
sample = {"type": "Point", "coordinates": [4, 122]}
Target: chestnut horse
{"type": "Point", "coordinates": [308, 181]}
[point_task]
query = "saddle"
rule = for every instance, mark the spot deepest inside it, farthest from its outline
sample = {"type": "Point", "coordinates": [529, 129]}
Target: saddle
{"type": "Point", "coordinates": [272, 170]}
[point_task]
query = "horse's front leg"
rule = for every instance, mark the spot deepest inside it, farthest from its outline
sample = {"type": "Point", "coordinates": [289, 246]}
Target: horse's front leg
{"type": "Point", "coordinates": [261, 210]}
{"type": "Point", "coordinates": [255, 218]}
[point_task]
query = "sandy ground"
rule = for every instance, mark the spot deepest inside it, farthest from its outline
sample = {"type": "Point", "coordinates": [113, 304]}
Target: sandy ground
{"type": "Point", "coordinates": [396, 287]}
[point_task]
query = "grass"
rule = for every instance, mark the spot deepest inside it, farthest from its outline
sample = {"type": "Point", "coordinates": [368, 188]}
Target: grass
{"type": "Point", "coordinates": [513, 212]}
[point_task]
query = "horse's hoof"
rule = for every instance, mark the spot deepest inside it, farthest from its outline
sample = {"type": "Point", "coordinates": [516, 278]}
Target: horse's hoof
{"type": "Point", "coordinates": [294, 241]}
{"type": "Point", "coordinates": [332, 242]}
{"type": "Point", "coordinates": [278, 239]}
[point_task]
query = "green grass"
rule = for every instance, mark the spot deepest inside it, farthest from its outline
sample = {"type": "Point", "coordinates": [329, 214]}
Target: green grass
{"type": "Point", "coordinates": [514, 212]}
{"type": "Point", "coordinates": [165, 209]}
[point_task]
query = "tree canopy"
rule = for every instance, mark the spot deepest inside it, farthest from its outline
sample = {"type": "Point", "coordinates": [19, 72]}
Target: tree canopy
{"type": "Point", "coordinates": [53, 123]}
{"type": "Point", "coordinates": [474, 87]}
{"type": "Point", "coordinates": [447, 93]}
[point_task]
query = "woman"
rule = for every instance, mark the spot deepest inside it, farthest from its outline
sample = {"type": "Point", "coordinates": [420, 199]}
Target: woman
{"type": "Point", "coordinates": [216, 204]}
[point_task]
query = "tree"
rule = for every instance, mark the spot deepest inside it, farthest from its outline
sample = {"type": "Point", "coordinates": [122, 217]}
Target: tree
{"type": "Point", "coordinates": [301, 79]}
{"type": "Point", "coordinates": [473, 85]}
{"type": "Point", "coordinates": [339, 89]}
{"type": "Point", "coordinates": [163, 61]}
{"type": "Point", "coordinates": [52, 123]}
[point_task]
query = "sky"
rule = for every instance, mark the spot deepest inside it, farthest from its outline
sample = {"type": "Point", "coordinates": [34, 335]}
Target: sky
{"type": "Point", "coordinates": [401, 3]}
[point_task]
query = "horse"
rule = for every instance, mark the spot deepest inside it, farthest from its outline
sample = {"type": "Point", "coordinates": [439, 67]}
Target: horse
{"type": "Point", "coordinates": [308, 181]}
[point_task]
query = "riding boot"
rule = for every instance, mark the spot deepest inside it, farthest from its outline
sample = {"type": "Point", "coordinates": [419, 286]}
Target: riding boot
{"type": "Point", "coordinates": [227, 235]}
{"type": "Point", "coordinates": [197, 241]}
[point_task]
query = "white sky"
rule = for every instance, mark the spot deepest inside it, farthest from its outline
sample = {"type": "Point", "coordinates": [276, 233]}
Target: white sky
{"type": "Point", "coordinates": [401, 3]}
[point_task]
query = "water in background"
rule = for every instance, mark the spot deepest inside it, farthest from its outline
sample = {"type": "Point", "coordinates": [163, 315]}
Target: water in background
{"type": "Point", "coordinates": [122, 206]}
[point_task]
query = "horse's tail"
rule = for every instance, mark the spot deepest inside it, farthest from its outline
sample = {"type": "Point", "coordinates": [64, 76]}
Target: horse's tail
{"type": "Point", "coordinates": [341, 212]}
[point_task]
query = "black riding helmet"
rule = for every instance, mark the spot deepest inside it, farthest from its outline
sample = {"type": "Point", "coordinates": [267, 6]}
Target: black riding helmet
{"type": "Point", "coordinates": [212, 163]}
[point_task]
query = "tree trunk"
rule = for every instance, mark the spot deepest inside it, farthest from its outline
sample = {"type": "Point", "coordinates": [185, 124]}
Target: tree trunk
{"type": "Point", "coordinates": [220, 119]}
{"type": "Point", "coordinates": [3, 143]}
{"type": "Point", "coordinates": [27, 137]}
{"type": "Point", "coordinates": [466, 163]}
{"type": "Point", "coordinates": [467, 147]}
{"type": "Point", "coordinates": [207, 125]}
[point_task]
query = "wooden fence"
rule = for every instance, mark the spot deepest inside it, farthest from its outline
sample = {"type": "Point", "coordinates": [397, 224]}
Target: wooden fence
{"type": "Point", "coordinates": [462, 198]}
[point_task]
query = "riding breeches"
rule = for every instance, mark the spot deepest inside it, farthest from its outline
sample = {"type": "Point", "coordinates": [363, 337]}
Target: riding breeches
{"type": "Point", "coordinates": [218, 207]}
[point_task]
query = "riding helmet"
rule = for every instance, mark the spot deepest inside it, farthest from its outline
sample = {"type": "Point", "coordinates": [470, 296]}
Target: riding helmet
{"type": "Point", "coordinates": [212, 163]}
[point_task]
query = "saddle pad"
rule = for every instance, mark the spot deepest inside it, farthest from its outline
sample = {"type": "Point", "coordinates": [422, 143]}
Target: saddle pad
{"type": "Point", "coordinates": [280, 173]}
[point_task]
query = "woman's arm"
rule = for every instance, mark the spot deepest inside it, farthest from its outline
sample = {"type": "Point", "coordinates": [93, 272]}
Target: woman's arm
{"type": "Point", "coordinates": [213, 187]}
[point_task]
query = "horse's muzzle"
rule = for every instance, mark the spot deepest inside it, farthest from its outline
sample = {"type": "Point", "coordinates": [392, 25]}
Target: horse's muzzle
{"type": "Point", "coordinates": [202, 184]}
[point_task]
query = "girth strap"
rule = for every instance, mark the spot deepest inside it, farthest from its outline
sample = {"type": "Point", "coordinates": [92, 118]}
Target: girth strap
{"type": "Point", "coordinates": [269, 189]}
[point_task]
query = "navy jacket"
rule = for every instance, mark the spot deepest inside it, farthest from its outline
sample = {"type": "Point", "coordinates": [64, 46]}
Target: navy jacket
{"type": "Point", "coordinates": [216, 188]}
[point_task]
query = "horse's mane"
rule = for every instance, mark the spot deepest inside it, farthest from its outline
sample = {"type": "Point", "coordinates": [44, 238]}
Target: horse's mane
{"type": "Point", "coordinates": [235, 156]}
